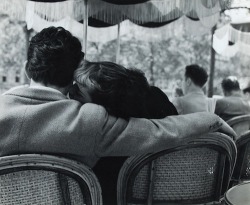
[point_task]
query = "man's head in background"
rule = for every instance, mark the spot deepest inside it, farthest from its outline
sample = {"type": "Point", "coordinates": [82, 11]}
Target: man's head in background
{"type": "Point", "coordinates": [194, 77]}
{"type": "Point", "coordinates": [230, 85]}
{"type": "Point", "coordinates": [246, 91]}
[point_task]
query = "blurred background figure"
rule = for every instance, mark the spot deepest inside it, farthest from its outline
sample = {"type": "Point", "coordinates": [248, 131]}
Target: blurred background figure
{"type": "Point", "coordinates": [194, 99]}
{"type": "Point", "coordinates": [246, 92]}
{"type": "Point", "coordinates": [233, 104]}
{"type": "Point", "coordinates": [178, 92]}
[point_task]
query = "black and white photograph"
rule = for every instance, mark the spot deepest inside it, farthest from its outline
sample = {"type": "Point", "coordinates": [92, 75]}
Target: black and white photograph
{"type": "Point", "coordinates": [125, 102]}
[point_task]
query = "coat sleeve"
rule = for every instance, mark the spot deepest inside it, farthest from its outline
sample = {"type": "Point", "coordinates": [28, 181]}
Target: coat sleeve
{"type": "Point", "coordinates": [118, 137]}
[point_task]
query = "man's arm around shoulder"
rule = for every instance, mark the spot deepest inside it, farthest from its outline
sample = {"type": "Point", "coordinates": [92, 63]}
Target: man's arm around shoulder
{"type": "Point", "coordinates": [119, 137]}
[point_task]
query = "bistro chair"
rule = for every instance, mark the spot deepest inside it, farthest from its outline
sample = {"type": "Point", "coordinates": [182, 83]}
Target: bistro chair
{"type": "Point", "coordinates": [242, 166]}
{"type": "Point", "coordinates": [240, 124]}
{"type": "Point", "coordinates": [30, 179]}
{"type": "Point", "coordinates": [194, 173]}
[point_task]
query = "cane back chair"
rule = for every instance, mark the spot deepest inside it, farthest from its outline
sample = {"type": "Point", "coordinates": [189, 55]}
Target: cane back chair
{"type": "Point", "coordinates": [194, 173]}
{"type": "Point", "coordinates": [30, 179]}
{"type": "Point", "coordinates": [240, 124]}
{"type": "Point", "coordinates": [242, 166]}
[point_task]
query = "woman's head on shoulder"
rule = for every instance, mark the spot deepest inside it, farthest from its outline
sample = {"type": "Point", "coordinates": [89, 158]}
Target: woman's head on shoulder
{"type": "Point", "coordinates": [120, 90]}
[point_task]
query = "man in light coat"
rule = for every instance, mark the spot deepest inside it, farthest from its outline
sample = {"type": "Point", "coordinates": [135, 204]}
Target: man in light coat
{"type": "Point", "coordinates": [194, 99]}
{"type": "Point", "coordinates": [233, 104]}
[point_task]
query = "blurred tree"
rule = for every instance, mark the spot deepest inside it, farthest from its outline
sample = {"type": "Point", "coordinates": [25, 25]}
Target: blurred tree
{"type": "Point", "coordinates": [12, 45]}
{"type": "Point", "coordinates": [162, 61]}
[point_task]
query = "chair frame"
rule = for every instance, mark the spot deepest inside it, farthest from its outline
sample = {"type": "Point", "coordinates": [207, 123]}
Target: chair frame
{"type": "Point", "coordinates": [79, 171]}
{"type": "Point", "coordinates": [236, 120]}
{"type": "Point", "coordinates": [242, 144]}
{"type": "Point", "coordinates": [217, 141]}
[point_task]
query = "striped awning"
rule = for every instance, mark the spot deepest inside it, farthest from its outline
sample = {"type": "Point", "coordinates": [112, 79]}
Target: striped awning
{"type": "Point", "coordinates": [235, 36]}
{"type": "Point", "coordinates": [147, 12]}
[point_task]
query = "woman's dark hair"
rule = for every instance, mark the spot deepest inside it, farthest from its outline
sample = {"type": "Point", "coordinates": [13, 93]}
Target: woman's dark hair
{"type": "Point", "coordinates": [123, 92]}
{"type": "Point", "coordinates": [53, 56]}
{"type": "Point", "coordinates": [197, 74]}
{"type": "Point", "coordinates": [158, 104]}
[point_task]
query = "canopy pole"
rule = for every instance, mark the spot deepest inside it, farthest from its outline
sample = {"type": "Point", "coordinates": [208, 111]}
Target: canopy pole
{"type": "Point", "coordinates": [85, 28]}
{"type": "Point", "coordinates": [24, 78]}
{"type": "Point", "coordinates": [212, 66]}
{"type": "Point", "coordinates": [118, 44]}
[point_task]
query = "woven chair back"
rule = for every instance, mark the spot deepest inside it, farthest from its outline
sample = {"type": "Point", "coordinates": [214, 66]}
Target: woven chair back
{"type": "Point", "coordinates": [194, 173]}
{"type": "Point", "coordinates": [44, 179]}
{"type": "Point", "coordinates": [240, 124]}
{"type": "Point", "coordinates": [242, 166]}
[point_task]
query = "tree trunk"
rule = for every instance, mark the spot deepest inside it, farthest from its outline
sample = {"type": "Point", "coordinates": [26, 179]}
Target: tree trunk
{"type": "Point", "coordinates": [23, 76]}
{"type": "Point", "coordinates": [212, 66]}
{"type": "Point", "coordinates": [151, 64]}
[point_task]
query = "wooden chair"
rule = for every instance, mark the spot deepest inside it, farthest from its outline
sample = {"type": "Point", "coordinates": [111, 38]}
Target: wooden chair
{"type": "Point", "coordinates": [242, 166]}
{"type": "Point", "coordinates": [194, 173]}
{"type": "Point", "coordinates": [44, 179]}
{"type": "Point", "coordinates": [240, 124]}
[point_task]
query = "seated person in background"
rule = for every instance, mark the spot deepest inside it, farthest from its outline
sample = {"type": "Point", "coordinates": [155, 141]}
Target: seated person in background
{"type": "Point", "coordinates": [194, 99]}
{"type": "Point", "coordinates": [233, 104]}
{"type": "Point", "coordinates": [178, 92]}
{"type": "Point", "coordinates": [246, 92]}
{"type": "Point", "coordinates": [123, 92]}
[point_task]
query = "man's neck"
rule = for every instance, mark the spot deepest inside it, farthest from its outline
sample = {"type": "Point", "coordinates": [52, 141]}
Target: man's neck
{"type": "Point", "coordinates": [194, 89]}
{"type": "Point", "coordinates": [63, 90]}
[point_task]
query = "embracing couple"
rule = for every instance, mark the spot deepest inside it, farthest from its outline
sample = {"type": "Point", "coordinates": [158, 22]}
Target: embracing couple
{"type": "Point", "coordinates": [41, 118]}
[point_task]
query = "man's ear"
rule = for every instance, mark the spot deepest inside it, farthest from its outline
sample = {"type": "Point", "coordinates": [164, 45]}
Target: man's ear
{"type": "Point", "coordinates": [25, 68]}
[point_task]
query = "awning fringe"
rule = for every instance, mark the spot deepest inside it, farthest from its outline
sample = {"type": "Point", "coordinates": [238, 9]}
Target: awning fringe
{"type": "Point", "coordinates": [151, 11]}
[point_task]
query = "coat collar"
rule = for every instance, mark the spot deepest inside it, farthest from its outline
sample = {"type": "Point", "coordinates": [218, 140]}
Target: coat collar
{"type": "Point", "coordinates": [39, 93]}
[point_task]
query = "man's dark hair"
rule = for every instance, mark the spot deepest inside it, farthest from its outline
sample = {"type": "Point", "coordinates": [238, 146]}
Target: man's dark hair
{"type": "Point", "coordinates": [121, 91]}
{"type": "Point", "coordinates": [230, 83]}
{"type": "Point", "coordinates": [247, 88]}
{"type": "Point", "coordinates": [53, 56]}
{"type": "Point", "coordinates": [197, 74]}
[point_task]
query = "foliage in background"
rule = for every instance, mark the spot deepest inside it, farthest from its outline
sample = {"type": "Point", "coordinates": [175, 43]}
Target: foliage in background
{"type": "Point", "coordinates": [12, 45]}
{"type": "Point", "coordinates": [162, 61]}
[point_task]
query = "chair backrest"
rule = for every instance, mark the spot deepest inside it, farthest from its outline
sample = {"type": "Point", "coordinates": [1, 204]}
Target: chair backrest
{"type": "Point", "coordinates": [240, 124]}
{"type": "Point", "coordinates": [242, 166]}
{"type": "Point", "coordinates": [45, 179]}
{"type": "Point", "coordinates": [197, 172]}
{"type": "Point", "coordinates": [211, 103]}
